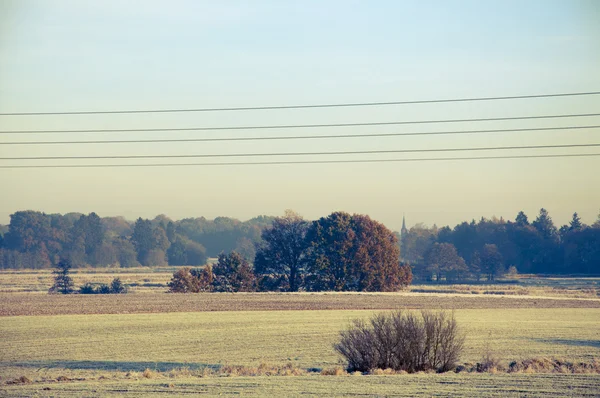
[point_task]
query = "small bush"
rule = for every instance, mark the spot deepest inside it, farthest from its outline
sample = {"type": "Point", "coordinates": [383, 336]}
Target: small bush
{"type": "Point", "coordinates": [188, 280]}
{"type": "Point", "coordinates": [88, 288]}
{"type": "Point", "coordinates": [116, 287]}
{"type": "Point", "coordinates": [103, 289]}
{"type": "Point", "coordinates": [337, 371]}
{"type": "Point", "coordinates": [262, 369]}
{"type": "Point", "coordinates": [20, 380]}
{"type": "Point", "coordinates": [489, 362]}
{"type": "Point", "coordinates": [402, 341]}
{"type": "Point", "coordinates": [149, 374]}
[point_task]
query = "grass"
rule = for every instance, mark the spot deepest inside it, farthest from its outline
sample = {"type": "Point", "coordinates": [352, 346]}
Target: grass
{"type": "Point", "coordinates": [141, 279]}
{"type": "Point", "coordinates": [155, 279]}
{"type": "Point", "coordinates": [304, 338]}
{"type": "Point", "coordinates": [536, 385]}
{"type": "Point", "coordinates": [43, 304]}
{"type": "Point", "coordinates": [521, 286]}
{"type": "Point", "coordinates": [150, 343]}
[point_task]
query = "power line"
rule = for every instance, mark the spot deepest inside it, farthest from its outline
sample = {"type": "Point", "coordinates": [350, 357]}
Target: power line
{"type": "Point", "coordinates": [298, 126]}
{"type": "Point", "coordinates": [299, 137]}
{"type": "Point", "coordinates": [371, 152]}
{"type": "Point", "coordinates": [301, 162]}
{"type": "Point", "coordinates": [256, 108]}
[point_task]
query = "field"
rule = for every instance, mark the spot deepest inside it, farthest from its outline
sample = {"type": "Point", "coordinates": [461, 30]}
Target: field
{"type": "Point", "coordinates": [150, 343]}
{"type": "Point", "coordinates": [155, 279]}
{"type": "Point", "coordinates": [445, 385]}
{"type": "Point", "coordinates": [39, 281]}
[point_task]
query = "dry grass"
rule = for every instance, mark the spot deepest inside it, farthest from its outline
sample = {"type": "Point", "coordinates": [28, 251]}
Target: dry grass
{"type": "Point", "coordinates": [19, 380]}
{"type": "Point", "coordinates": [532, 366]}
{"type": "Point", "coordinates": [44, 304]}
{"type": "Point", "coordinates": [528, 366]}
{"type": "Point", "coordinates": [302, 338]}
{"type": "Point", "coordinates": [39, 281]}
{"type": "Point", "coordinates": [155, 279]}
{"type": "Point", "coordinates": [420, 385]}
{"type": "Point", "coordinates": [522, 286]}
{"type": "Point", "coordinates": [335, 371]}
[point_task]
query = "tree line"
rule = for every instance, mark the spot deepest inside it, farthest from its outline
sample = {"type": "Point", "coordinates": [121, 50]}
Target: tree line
{"type": "Point", "coordinates": [37, 240]}
{"type": "Point", "coordinates": [340, 252]}
{"type": "Point", "coordinates": [492, 247]}
{"type": "Point", "coordinates": [482, 250]}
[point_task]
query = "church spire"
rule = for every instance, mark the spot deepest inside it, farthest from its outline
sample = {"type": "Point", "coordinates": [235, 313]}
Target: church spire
{"type": "Point", "coordinates": [403, 230]}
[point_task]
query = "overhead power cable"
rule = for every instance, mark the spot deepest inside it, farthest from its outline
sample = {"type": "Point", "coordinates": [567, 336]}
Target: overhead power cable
{"type": "Point", "coordinates": [299, 137]}
{"type": "Point", "coordinates": [370, 152]}
{"type": "Point", "coordinates": [70, 166]}
{"type": "Point", "coordinates": [306, 106]}
{"type": "Point", "coordinates": [301, 126]}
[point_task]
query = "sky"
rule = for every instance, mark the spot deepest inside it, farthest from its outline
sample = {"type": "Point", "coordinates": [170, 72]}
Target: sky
{"type": "Point", "coordinates": [58, 56]}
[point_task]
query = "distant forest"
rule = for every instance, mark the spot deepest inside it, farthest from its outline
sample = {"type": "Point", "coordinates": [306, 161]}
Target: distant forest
{"type": "Point", "coordinates": [37, 240]}
{"type": "Point", "coordinates": [485, 249]}
{"type": "Point", "coordinates": [492, 247]}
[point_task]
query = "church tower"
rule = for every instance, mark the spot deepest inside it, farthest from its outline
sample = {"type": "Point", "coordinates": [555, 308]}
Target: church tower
{"type": "Point", "coordinates": [403, 231]}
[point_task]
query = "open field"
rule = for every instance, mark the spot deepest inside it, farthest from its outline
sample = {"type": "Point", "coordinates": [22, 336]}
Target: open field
{"type": "Point", "coordinates": [444, 385]}
{"type": "Point", "coordinates": [522, 286]}
{"type": "Point", "coordinates": [43, 304]}
{"type": "Point", "coordinates": [101, 345]}
{"type": "Point", "coordinates": [142, 279]}
{"type": "Point", "coordinates": [99, 355]}
{"type": "Point", "coordinates": [134, 342]}
{"type": "Point", "coordinates": [305, 338]}
{"type": "Point", "coordinates": [155, 279]}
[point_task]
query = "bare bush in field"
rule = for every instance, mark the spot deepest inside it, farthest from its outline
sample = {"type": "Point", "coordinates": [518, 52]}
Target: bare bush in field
{"type": "Point", "coordinates": [402, 341]}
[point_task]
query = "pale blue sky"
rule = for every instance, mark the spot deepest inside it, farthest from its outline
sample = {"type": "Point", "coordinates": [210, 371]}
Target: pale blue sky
{"type": "Point", "coordinates": [84, 55]}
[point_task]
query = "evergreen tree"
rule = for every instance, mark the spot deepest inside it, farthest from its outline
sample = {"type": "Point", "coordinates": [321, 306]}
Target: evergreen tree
{"type": "Point", "coordinates": [117, 287]}
{"type": "Point", "coordinates": [575, 224]}
{"type": "Point", "coordinates": [63, 283]}
{"type": "Point", "coordinates": [596, 224]}
{"type": "Point", "coordinates": [543, 223]}
{"type": "Point", "coordinates": [521, 219]}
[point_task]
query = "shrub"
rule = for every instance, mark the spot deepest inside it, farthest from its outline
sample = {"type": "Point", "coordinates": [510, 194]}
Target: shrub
{"type": "Point", "coordinates": [117, 287]}
{"type": "Point", "coordinates": [337, 371]}
{"type": "Point", "coordinates": [103, 289]}
{"type": "Point", "coordinates": [88, 288]}
{"type": "Point", "coordinates": [402, 341]}
{"type": "Point", "coordinates": [205, 277]}
{"type": "Point", "coordinates": [188, 280]}
{"type": "Point", "coordinates": [233, 273]}
{"type": "Point", "coordinates": [183, 281]}
{"type": "Point", "coordinates": [149, 374]}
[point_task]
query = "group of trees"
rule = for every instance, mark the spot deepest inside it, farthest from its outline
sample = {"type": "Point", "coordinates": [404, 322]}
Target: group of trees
{"type": "Point", "coordinates": [63, 283]}
{"type": "Point", "coordinates": [340, 252]}
{"type": "Point", "coordinates": [38, 240]}
{"type": "Point", "coordinates": [337, 252]}
{"type": "Point", "coordinates": [489, 248]}
{"type": "Point", "coordinates": [231, 273]}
